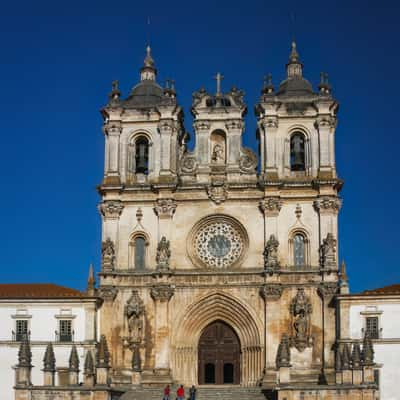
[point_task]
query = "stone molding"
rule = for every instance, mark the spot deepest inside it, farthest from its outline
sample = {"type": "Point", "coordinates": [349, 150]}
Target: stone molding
{"type": "Point", "coordinates": [165, 208]}
{"type": "Point", "coordinates": [234, 125]}
{"type": "Point", "coordinates": [271, 206]}
{"type": "Point", "coordinates": [271, 291]}
{"type": "Point", "coordinates": [112, 128]}
{"type": "Point", "coordinates": [167, 126]}
{"type": "Point", "coordinates": [203, 125]}
{"type": "Point", "coordinates": [270, 122]}
{"type": "Point", "coordinates": [162, 293]}
{"type": "Point", "coordinates": [325, 121]}
{"type": "Point", "coordinates": [111, 209]}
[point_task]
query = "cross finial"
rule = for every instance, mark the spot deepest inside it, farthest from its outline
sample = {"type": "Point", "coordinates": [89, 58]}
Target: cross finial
{"type": "Point", "coordinates": [218, 78]}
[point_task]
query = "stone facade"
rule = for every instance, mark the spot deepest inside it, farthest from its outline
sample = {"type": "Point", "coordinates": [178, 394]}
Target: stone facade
{"type": "Point", "coordinates": [194, 238]}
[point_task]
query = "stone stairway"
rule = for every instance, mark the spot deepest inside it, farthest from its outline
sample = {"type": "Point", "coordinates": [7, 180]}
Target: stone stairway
{"type": "Point", "coordinates": [211, 392]}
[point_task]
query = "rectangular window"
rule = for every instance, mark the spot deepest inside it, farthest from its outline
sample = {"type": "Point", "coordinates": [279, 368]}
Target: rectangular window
{"type": "Point", "coordinates": [21, 329]}
{"type": "Point", "coordinates": [372, 327]}
{"type": "Point", "coordinates": [65, 330]}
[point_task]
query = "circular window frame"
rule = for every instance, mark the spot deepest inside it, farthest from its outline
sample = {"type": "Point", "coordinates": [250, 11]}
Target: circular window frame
{"type": "Point", "coordinates": [204, 222]}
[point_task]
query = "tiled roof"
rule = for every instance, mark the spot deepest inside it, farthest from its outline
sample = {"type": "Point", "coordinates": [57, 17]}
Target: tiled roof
{"type": "Point", "coordinates": [37, 291]}
{"type": "Point", "coordinates": [391, 289]}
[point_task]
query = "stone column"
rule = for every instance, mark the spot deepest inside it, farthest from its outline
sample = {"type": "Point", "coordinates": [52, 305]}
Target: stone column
{"type": "Point", "coordinates": [161, 295]}
{"type": "Point", "coordinates": [202, 129]}
{"type": "Point", "coordinates": [166, 128]}
{"type": "Point", "coordinates": [111, 211]}
{"type": "Point", "coordinates": [325, 126]}
{"type": "Point", "coordinates": [165, 209]}
{"type": "Point", "coordinates": [270, 293]}
{"type": "Point", "coordinates": [112, 130]}
{"type": "Point", "coordinates": [270, 127]}
{"type": "Point", "coordinates": [233, 144]}
{"type": "Point", "coordinates": [271, 206]}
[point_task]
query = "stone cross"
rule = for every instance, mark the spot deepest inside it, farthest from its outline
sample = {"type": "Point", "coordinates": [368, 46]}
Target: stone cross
{"type": "Point", "coordinates": [218, 78]}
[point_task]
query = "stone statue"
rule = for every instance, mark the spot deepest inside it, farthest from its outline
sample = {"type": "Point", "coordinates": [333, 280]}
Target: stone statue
{"type": "Point", "coordinates": [108, 254]}
{"type": "Point", "coordinates": [271, 253]}
{"type": "Point", "coordinates": [217, 154]}
{"type": "Point", "coordinates": [301, 309]}
{"type": "Point", "coordinates": [328, 252]}
{"type": "Point", "coordinates": [163, 254]}
{"type": "Point", "coordinates": [134, 311]}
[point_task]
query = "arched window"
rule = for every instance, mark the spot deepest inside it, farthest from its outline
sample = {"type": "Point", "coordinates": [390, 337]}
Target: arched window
{"type": "Point", "coordinates": [299, 250]}
{"type": "Point", "coordinates": [297, 152]}
{"type": "Point", "coordinates": [142, 156]}
{"type": "Point", "coordinates": [140, 253]}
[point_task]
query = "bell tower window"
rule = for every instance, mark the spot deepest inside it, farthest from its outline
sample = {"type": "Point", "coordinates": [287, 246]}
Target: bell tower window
{"type": "Point", "coordinates": [299, 253]}
{"type": "Point", "coordinates": [297, 152]}
{"type": "Point", "coordinates": [142, 156]}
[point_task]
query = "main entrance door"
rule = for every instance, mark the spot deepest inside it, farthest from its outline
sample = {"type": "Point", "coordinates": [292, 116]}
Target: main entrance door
{"type": "Point", "coordinates": [219, 355]}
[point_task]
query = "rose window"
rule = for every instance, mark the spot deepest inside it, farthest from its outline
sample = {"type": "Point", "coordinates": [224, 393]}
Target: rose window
{"type": "Point", "coordinates": [218, 244]}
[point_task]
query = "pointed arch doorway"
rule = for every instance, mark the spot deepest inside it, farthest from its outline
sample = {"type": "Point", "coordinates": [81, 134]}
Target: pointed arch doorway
{"type": "Point", "coordinates": [219, 355]}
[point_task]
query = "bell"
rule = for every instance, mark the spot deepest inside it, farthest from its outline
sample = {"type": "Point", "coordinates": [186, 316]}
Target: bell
{"type": "Point", "coordinates": [297, 154]}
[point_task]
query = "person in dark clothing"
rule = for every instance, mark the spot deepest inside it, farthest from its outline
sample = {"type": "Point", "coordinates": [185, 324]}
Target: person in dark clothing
{"type": "Point", "coordinates": [192, 392]}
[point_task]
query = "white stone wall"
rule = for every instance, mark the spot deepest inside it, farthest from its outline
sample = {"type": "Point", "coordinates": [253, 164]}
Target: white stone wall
{"type": "Point", "coordinates": [387, 347]}
{"type": "Point", "coordinates": [42, 325]}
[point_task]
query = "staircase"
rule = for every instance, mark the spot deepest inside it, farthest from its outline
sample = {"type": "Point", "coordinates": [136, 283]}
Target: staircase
{"type": "Point", "coordinates": [211, 392]}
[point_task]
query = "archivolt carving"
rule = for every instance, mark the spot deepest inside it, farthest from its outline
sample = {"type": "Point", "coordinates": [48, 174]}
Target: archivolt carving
{"type": "Point", "coordinates": [217, 241]}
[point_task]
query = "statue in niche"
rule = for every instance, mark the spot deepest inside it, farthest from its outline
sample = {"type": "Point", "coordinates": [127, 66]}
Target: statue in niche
{"type": "Point", "coordinates": [163, 254]}
{"type": "Point", "coordinates": [301, 309]}
{"type": "Point", "coordinates": [271, 253]}
{"type": "Point", "coordinates": [218, 154]}
{"type": "Point", "coordinates": [328, 252]}
{"type": "Point", "coordinates": [108, 254]}
{"type": "Point", "coordinates": [134, 311]}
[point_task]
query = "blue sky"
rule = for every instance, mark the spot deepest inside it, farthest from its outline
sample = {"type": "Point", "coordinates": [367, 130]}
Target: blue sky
{"type": "Point", "coordinates": [57, 64]}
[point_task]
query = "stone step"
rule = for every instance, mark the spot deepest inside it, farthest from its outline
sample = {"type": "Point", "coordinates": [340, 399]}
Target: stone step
{"type": "Point", "coordinates": [225, 392]}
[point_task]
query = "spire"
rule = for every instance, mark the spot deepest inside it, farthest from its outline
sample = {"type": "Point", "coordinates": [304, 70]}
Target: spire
{"type": "Point", "coordinates": [115, 94]}
{"type": "Point", "coordinates": [103, 355]}
{"type": "Point", "coordinates": [91, 282]}
{"type": "Point", "coordinates": [346, 356]}
{"type": "Point", "coordinates": [74, 360]}
{"type": "Point", "coordinates": [324, 86]}
{"type": "Point", "coordinates": [344, 283]}
{"type": "Point", "coordinates": [49, 360]}
{"type": "Point", "coordinates": [283, 355]}
{"type": "Point", "coordinates": [24, 354]}
{"type": "Point", "coordinates": [356, 356]}
{"type": "Point", "coordinates": [148, 72]}
{"type": "Point", "coordinates": [368, 351]}
{"type": "Point", "coordinates": [294, 67]}
{"type": "Point", "coordinates": [268, 87]}
{"type": "Point", "coordinates": [89, 364]}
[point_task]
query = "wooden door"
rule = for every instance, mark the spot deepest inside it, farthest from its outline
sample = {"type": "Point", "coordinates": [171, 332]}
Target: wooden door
{"type": "Point", "coordinates": [219, 355]}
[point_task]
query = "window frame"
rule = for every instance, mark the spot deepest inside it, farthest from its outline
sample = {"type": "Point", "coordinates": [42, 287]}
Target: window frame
{"type": "Point", "coordinates": [61, 336]}
{"type": "Point", "coordinates": [16, 334]}
{"type": "Point", "coordinates": [291, 247]}
{"type": "Point", "coordinates": [132, 251]}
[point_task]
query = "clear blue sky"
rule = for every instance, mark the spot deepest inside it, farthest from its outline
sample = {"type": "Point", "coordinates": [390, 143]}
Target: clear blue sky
{"type": "Point", "coordinates": [59, 58]}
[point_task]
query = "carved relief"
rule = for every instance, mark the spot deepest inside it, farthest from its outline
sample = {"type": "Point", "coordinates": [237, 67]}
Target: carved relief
{"type": "Point", "coordinates": [188, 163]}
{"type": "Point", "coordinates": [325, 121]}
{"type": "Point", "coordinates": [162, 292]}
{"type": "Point", "coordinates": [218, 154]}
{"type": "Point", "coordinates": [111, 209]}
{"type": "Point", "coordinates": [108, 293]}
{"type": "Point", "coordinates": [165, 208]}
{"type": "Point", "coordinates": [328, 204]}
{"type": "Point", "coordinates": [301, 309]}
{"type": "Point", "coordinates": [112, 128]}
{"type": "Point", "coordinates": [234, 125]}
{"type": "Point", "coordinates": [271, 206]}
{"type": "Point", "coordinates": [271, 254]}
{"type": "Point", "coordinates": [166, 126]}
{"type": "Point", "coordinates": [108, 255]}
{"type": "Point", "coordinates": [201, 125]}
{"type": "Point", "coordinates": [270, 122]}
{"type": "Point", "coordinates": [327, 252]}
{"type": "Point", "coordinates": [272, 291]}
{"type": "Point", "coordinates": [283, 353]}
{"type": "Point", "coordinates": [327, 290]}
{"type": "Point", "coordinates": [163, 254]}
{"type": "Point", "coordinates": [248, 161]}
{"type": "Point", "coordinates": [218, 192]}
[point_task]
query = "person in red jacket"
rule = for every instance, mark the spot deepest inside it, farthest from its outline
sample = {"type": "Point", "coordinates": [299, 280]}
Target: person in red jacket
{"type": "Point", "coordinates": [180, 393]}
{"type": "Point", "coordinates": [166, 392]}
